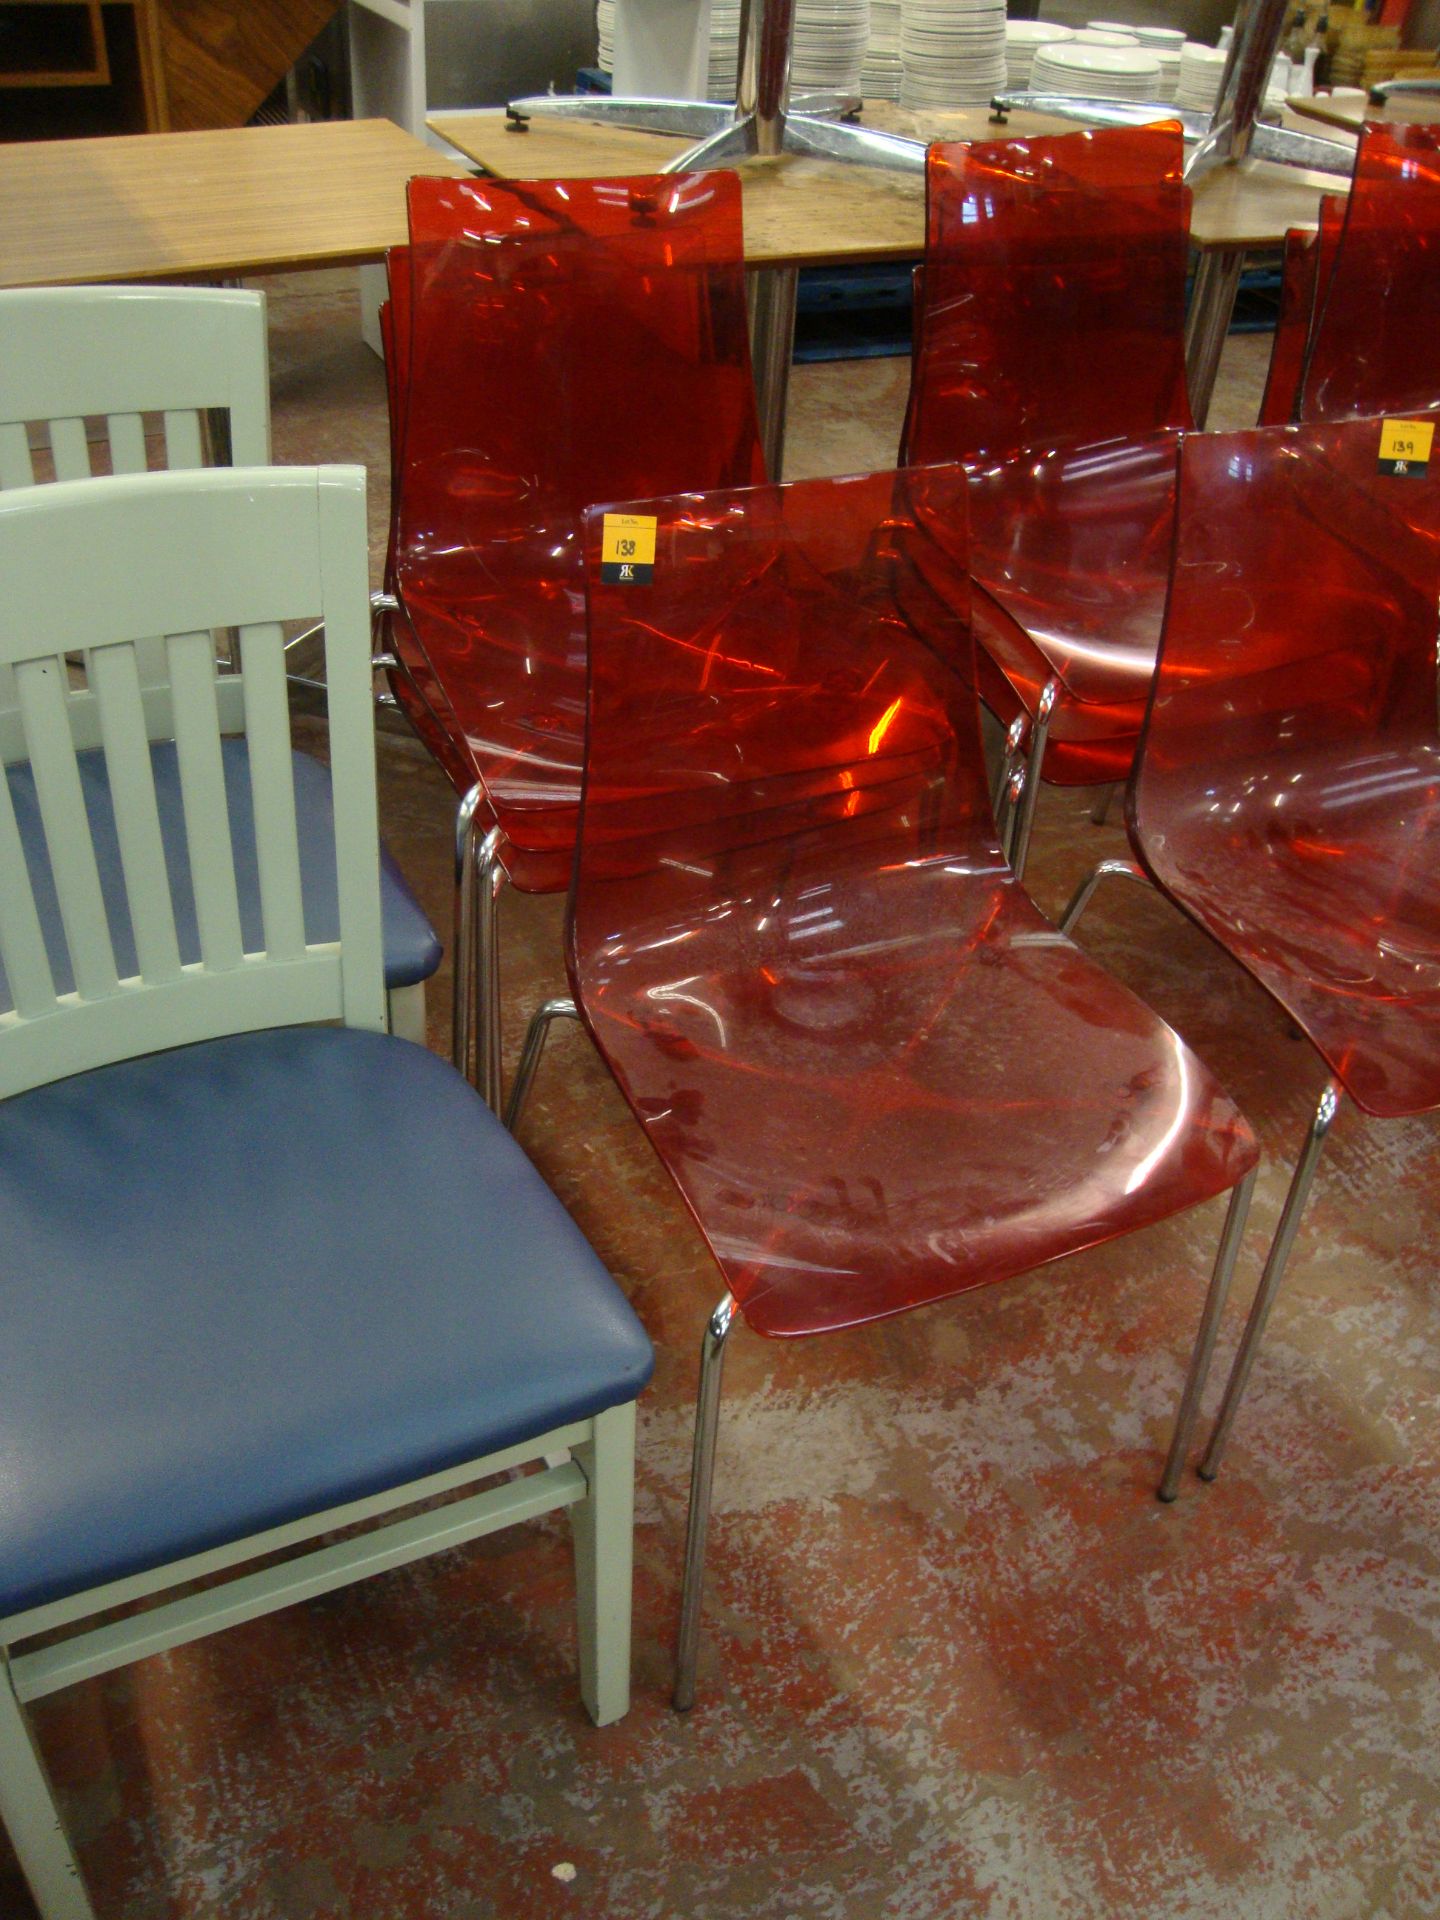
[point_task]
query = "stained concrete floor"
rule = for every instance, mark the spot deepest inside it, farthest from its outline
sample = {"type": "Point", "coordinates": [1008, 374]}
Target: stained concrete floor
{"type": "Point", "coordinates": [958, 1661]}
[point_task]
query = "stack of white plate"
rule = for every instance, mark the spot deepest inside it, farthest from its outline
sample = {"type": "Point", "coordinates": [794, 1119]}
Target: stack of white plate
{"type": "Point", "coordinates": [952, 52]}
{"type": "Point", "coordinates": [1166, 44]}
{"type": "Point", "coordinates": [1096, 73]}
{"type": "Point", "coordinates": [1200, 71]}
{"type": "Point", "coordinates": [605, 27]}
{"type": "Point", "coordinates": [724, 49]}
{"type": "Point", "coordinates": [1022, 37]}
{"type": "Point", "coordinates": [1105, 37]}
{"type": "Point", "coordinates": [880, 75]}
{"type": "Point", "coordinates": [829, 46]}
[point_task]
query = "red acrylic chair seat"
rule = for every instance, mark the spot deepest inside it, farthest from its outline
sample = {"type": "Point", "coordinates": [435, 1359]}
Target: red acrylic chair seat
{"type": "Point", "coordinates": [1375, 343]}
{"type": "Point", "coordinates": [570, 342]}
{"type": "Point", "coordinates": [877, 1074]}
{"type": "Point", "coordinates": [1288, 791]}
{"type": "Point", "coordinates": [1049, 358]}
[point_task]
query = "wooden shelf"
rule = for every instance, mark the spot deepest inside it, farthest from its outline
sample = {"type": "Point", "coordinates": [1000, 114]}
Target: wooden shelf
{"type": "Point", "coordinates": [155, 66]}
{"type": "Point", "coordinates": [53, 43]}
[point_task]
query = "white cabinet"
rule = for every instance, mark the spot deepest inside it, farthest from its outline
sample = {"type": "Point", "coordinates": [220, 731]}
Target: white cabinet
{"type": "Point", "coordinates": [410, 58]}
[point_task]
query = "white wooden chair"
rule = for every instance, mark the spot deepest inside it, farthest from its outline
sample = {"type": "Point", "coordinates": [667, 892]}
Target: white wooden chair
{"type": "Point", "coordinates": [222, 1337]}
{"type": "Point", "coordinates": [193, 363]}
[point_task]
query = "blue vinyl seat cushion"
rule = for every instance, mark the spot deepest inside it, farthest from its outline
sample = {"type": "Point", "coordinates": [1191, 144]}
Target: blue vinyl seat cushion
{"type": "Point", "coordinates": [412, 951]}
{"type": "Point", "coordinates": [217, 1317]}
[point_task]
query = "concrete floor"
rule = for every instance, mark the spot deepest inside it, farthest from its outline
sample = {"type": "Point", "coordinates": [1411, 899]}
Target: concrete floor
{"type": "Point", "coordinates": [959, 1661]}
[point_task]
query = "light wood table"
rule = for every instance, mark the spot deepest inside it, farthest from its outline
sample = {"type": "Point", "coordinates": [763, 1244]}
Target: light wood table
{"type": "Point", "coordinates": [805, 212]}
{"type": "Point", "coordinates": [1405, 109]}
{"type": "Point", "coordinates": [798, 211]}
{"type": "Point", "coordinates": [187, 206]}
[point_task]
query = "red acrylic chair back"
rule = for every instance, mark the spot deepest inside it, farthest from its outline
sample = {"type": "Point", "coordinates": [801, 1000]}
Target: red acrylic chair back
{"type": "Point", "coordinates": [1308, 261]}
{"type": "Point", "coordinates": [1284, 790]}
{"type": "Point", "coordinates": [415, 688]}
{"type": "Point", "coordinates": [783, 673]}
{"type": "Point", "coordinates": [1375, 345]}
{"type": "Point", "coordinates": [570, 342]}
{"type": "Point", "coordinates": [1053, 298]}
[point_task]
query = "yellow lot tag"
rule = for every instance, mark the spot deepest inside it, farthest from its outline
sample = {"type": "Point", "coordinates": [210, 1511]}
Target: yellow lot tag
{"type": "Point", "coordinates": [1405, 446]}
{"type": "Point", "coordinates": [627, 549]}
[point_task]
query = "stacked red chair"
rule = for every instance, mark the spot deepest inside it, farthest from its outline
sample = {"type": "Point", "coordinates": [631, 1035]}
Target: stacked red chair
{"type": "Point", "coordinates": [1049, 358]}
{"type": "Point", "coordinates": [553, 344]}
{"type": "Point", "coordinates": [1367, 310]}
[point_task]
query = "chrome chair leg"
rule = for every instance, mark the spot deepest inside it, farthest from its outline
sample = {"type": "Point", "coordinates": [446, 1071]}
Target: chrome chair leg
{"type": "Point", "coordinates": [1003, 794]}
{"type": "Point", "coordinates": [535, 1037]}
{"type": "Point", "coordinates": [1081, 897]}
{"type": "Point", "coordinates": [490, 877]}
{"type": "Point", "coordinates": [1040, 733]}
{"type": "Point", "coordinates": [1204, 1350]}
{"type": "Point", "coordinates": [702, 1477]}
{"type": "Point", "coordinates": [1100, 812]}
{"type": "Point", "coordinates": [1279, 1254]}
{"type": "Point", "coordinates": [1010, 810]}
{"type": "Point", "coordinates": [463, 945]}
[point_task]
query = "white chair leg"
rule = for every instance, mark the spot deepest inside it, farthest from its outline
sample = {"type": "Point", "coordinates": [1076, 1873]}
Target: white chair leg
{"type": "Point", "coordinates": [407, 1012]}
{"type": "Point", "coordinates": [603, 1526]}
{"type": "Point", "coordinates": [32, 1819]}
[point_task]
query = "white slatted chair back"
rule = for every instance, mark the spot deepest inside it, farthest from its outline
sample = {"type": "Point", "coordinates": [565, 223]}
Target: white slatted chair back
{"type": "Point", "coordinates": [109, 565]}
{"type": "Point", "coordinates": [191, 359]}
{"type": "Point", "coordinates": [68, 354]}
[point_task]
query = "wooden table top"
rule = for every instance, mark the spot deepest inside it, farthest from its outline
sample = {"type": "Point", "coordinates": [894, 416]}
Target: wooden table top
{"type": "Point", "coordinates": [801, 211]}
{"type": "Point", "coordinates": [181, 205]}
{"type": "Point", "coordinates": [1405, 109]}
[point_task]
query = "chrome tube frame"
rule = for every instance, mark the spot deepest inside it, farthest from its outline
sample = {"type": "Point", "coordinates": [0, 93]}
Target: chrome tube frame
{"type": "Point", "coordinates": [1204, 1349]}
{"type": "Point", "coordinates": [1275, 1263]}
{"type": "Point", "coordinates": [1100, 812]}
{"type": "Point", "coordinates": [1083, 894]}
{"type": "Point", "coordinates": [1029, 800]}
{"type": "Point", "coordinates": [1281, 146]}
{"type": "Point", "coordinates": [1000, 797]}
{"type": "Point", "coordinates": [702, 1478]}
{"type": "Point", "coordinates": [475, 981]}
{"type": "Point", "coordinates": [536, 1035]}
{"type": "Point", "coordinates": [1253, 46]}
{"type": "Point", "coordinates": [490, 878]}
{"type": "Point", "coordinates": [1384, 90]}
{"type": "Point", "coordinates": [462, 947]}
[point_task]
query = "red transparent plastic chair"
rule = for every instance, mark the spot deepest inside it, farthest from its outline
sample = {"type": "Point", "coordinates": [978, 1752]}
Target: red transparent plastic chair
{"type": "Point", "coordinates": [1050, 359]}
{"type": "Point", "coordinates": [877, 1075]}
{"type": "Point", "coordinates": [569, 342]}
{"type": "Point", "coordinates": [1375, 344]}
{"type": "Point", "coordinates": [1309, 257]}
{"type": "Point", "coordinates": [1285, 796]}
{"type": "Point", "coordinates": [413, 687]}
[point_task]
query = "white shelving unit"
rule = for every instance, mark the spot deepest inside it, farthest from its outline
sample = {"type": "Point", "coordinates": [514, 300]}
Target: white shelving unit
{"type": "Point", "coordinates": [387, 82]}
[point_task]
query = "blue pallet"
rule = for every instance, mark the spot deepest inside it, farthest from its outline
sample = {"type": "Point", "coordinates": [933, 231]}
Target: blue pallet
{"type": "Point", "coordinates": [862, 312]}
